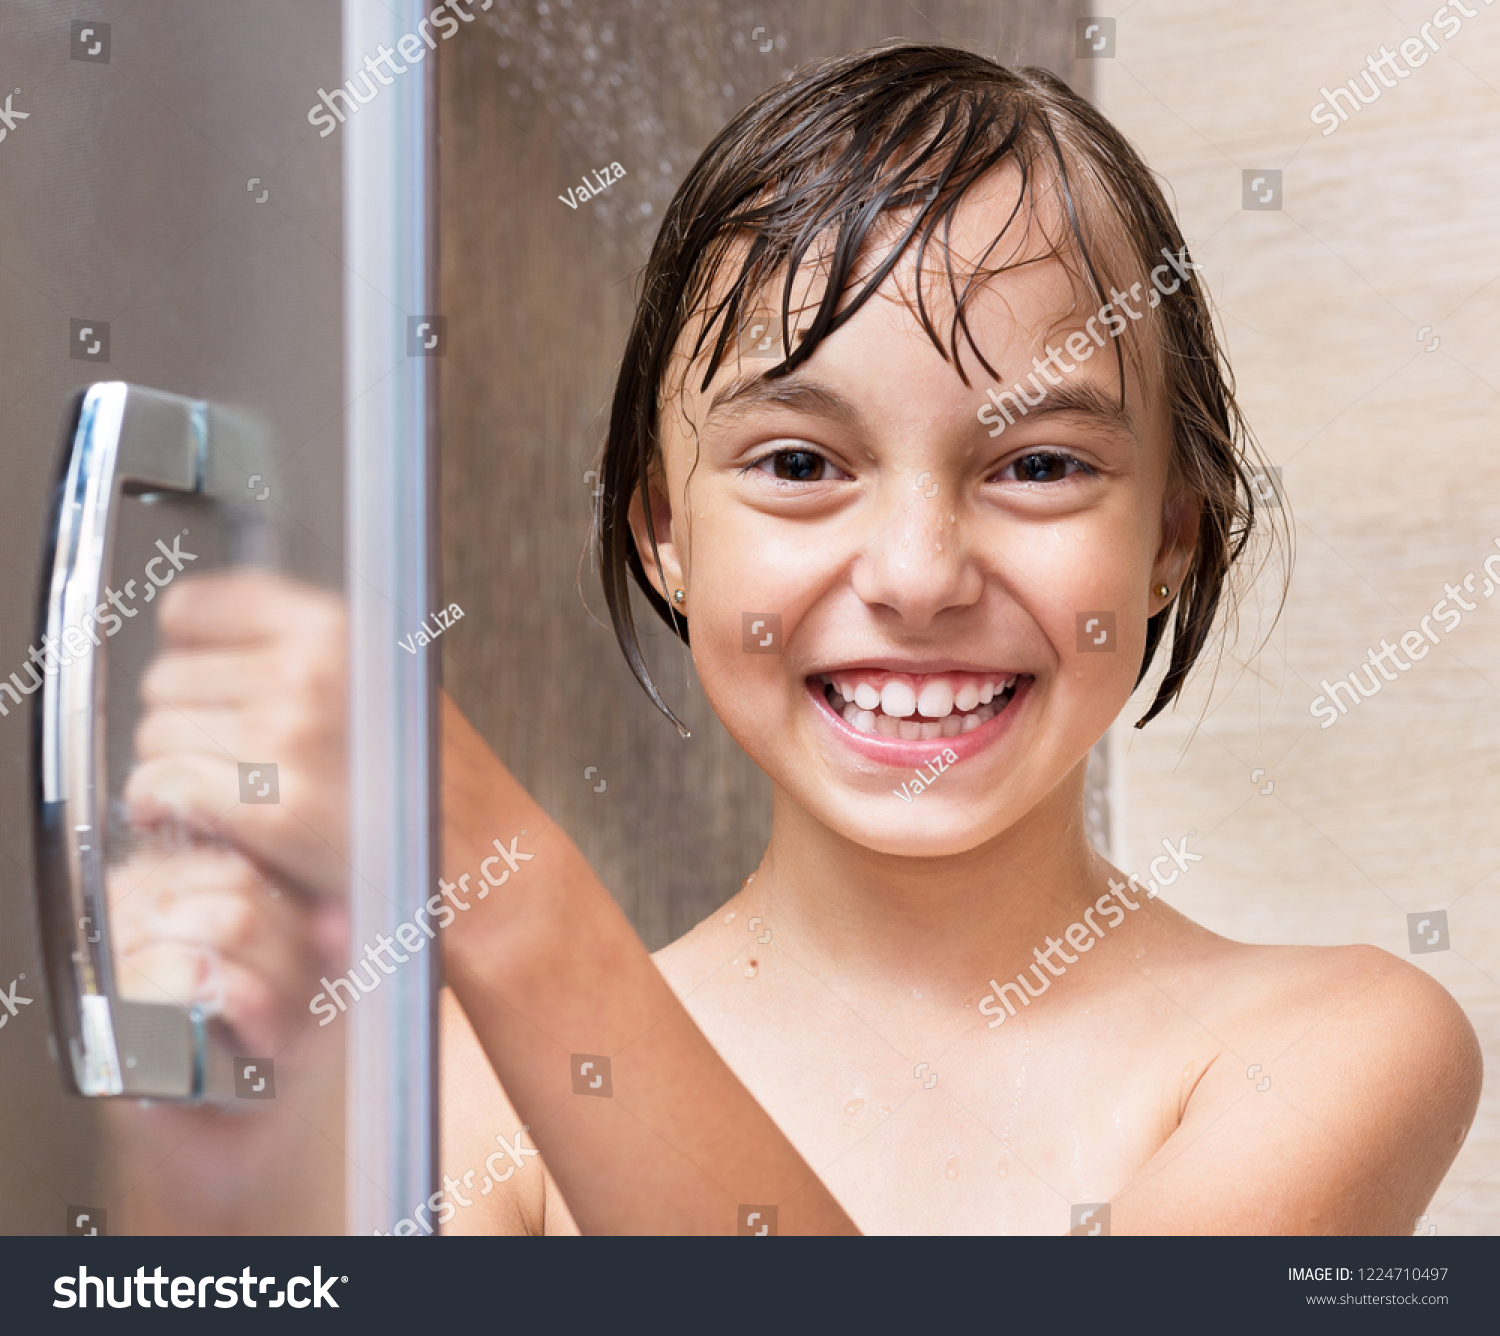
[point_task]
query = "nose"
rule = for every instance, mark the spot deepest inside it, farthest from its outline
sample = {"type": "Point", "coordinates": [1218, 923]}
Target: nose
{"type": "Point", "coordinates": [919, 563]}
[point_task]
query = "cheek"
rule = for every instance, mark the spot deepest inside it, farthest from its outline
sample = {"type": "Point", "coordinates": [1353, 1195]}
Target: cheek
{"type": "Point", "coordinates": [746, 596]}
{"type": "Point", "coordinates": [1086, 587]}
{"type": "Point", "coordinates": [748, 587]}
{"type": "Point", "coordinates": [735, 608]}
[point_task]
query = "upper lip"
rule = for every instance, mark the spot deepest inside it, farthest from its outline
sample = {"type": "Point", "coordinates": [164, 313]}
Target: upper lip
{"type": "Point", "coordinates": [915, 667]}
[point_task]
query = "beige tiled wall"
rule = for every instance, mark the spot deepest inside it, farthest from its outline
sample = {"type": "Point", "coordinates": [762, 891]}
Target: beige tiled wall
{"type": "Point", "coordinates": [1392, 471]}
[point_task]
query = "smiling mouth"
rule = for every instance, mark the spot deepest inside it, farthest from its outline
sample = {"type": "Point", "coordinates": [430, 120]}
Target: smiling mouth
{"type": "Point", "coordinates": [895, 705]}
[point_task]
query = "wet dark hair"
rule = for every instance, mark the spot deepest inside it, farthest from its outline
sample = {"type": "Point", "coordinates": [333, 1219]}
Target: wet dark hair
{"type": "Point", "coordinates": [829, 154]}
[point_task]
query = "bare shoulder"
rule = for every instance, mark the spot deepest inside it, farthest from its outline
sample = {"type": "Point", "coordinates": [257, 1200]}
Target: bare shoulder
{"type": "Point", "coordinates": [1365, 1015]}
{"type": "Point", "coordinates": [1340, 1086]}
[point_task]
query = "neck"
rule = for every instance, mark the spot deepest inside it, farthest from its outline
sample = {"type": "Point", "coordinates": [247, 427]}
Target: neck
{"type": "Point", "coordinates": [944, 923]}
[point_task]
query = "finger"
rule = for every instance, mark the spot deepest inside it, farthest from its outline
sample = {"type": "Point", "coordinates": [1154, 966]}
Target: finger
{"type": "Point", "coordinates": [220, 903]}
{"type": "Point", "coordinates": [262, 1018]}
{"type": "Point", "coordinates": [189, 935]}
{"type": "Point", "coordinates": [243, 606]}
{"type": "Point", "coordinates": [301, 837]}
{"type": "Point", "coordinates": [165, 974]}
{"type": "Point", "coordinates": [187, 677]}
{"type": "Point", "coordinates": [215, 731]}
{"type": "Point", "coordinates": [295, 705]}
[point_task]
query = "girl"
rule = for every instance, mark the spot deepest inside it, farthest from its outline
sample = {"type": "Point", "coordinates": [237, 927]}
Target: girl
{"type": "Point", "coordinates": [923, 572]}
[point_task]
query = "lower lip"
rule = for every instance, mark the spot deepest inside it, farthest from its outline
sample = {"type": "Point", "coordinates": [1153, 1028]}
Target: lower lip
{"type": "Point", "coordinates": [906, 755]}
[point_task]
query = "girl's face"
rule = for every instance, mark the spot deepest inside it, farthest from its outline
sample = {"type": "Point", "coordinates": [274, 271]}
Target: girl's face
{"type": "Point", "coordinates": [878, 587]}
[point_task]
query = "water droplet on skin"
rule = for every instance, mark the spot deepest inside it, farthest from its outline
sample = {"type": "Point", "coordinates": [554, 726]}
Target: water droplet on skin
{"type": "Point", "coordinates": [1003, 1169]}
{"type": "Point", "coordinates": [885, 1109]}
{"type": "Point", "coordinates": [916, 992]}
{"type": "Point", "coordinates": [729, 917]}
{"type": "Point", "coordinates": [854, 1106]}
{"type": "Point", "coordinates": [950, 1170]}
{"type": "Point", "coordinates": [752, 969]}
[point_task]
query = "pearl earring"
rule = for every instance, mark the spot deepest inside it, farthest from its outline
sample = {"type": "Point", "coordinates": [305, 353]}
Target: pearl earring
{"type": "Point", "coordinates": [1162, 591]}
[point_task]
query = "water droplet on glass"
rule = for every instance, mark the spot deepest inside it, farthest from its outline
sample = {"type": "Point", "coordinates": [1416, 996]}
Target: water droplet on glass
{"type": "Point", "coordinates": [854, 1106]}
{"type": "Point", "coordinates": [950, 1170]}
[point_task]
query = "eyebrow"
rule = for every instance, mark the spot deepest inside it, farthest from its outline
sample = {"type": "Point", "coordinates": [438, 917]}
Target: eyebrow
{"type": "Point", "coordinates": [795, 391]}
{"type": "Point", "coordinates": [1084, 397]}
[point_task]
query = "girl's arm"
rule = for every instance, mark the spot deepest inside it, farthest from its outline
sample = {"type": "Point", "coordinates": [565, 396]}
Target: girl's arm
{"type": "Point", "coordinates": [545, 966]}
{"type": "Point", "coordinates": [551, 975]}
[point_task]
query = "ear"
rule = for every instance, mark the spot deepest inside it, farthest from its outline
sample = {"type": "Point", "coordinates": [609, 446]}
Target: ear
{"type": "Point", "coordinates": [1181, 511]}
{"type": "Point", "coordinates": [669, 577]}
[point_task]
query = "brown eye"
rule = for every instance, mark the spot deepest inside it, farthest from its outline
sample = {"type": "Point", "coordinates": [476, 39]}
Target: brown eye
{"type": "Point", "coordinates": [1043, 466]}
{"type": "Point", "coordinates": [797, 466]}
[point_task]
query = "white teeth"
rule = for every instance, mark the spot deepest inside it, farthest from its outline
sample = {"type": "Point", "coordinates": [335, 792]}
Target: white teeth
{"type": "Point", "coordinates": [898, 700]}
{"type": "Point", "coordinates": [943, 712]}
{"type": "Point", "coordinates": [936, 700]}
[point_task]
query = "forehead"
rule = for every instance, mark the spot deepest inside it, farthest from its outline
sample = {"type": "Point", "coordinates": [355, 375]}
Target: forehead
{"type": "Point", "coordinates": [1005, 257]}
